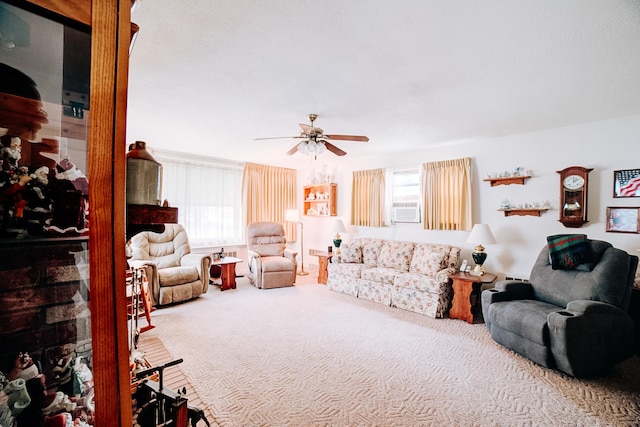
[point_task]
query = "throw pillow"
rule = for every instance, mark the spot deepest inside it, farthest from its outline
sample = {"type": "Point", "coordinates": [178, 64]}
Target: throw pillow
{"type": "Point", "coordinates": [566, 251]}
{"type": "Point", "coordinates": [350, 252]}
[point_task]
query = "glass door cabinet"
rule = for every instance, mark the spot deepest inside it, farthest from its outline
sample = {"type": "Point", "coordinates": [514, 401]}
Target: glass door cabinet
{"type": "Point", "coordinates": [63, 325]}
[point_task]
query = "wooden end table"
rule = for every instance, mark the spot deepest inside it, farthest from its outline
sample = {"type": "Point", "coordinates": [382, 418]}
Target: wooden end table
{"type": "Point", "coordinates": [324, 258]}
{"type": "Point", "coordinates": [466, 287]}
{"type": "Point", "coordinates": [226, 269]}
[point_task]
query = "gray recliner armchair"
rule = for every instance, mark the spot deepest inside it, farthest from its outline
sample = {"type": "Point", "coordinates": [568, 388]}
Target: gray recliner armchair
{"type": "Point", "coordinates": [572, 314]}
{"type": "Point", "coordinates": [271, 264]}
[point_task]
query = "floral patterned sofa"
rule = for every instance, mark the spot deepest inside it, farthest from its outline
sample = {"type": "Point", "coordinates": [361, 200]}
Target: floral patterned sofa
{"type": "Point", "coordinates": [407, 275]}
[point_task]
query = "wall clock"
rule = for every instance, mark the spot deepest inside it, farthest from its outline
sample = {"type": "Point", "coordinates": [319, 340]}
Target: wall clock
{"type": "Point", "coordinates": [574, 189]}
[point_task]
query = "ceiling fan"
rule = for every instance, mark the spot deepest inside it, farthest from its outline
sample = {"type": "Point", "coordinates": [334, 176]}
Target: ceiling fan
{"type": "Point", "coordinates": [315, 141]}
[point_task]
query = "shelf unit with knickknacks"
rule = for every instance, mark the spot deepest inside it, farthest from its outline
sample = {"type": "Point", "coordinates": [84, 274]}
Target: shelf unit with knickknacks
{"type": "Point", "coordinates": [507, 180]}
{"type": "Point", "coordinates": [523, 211]}
{"type": "Point", "coordinates": [515, 211]}
{"type": "Point", "coordinates": [321, 200]}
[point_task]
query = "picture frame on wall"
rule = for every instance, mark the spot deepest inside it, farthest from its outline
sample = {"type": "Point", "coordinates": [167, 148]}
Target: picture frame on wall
{"type": "Point", "coordinates": [626, 183]}
{"type": "Point", "coordinates": [623, 219]}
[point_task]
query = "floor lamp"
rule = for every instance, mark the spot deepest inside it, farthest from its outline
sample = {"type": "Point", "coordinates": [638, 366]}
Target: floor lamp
{"type": "Point", "coordinates": [292, 215]}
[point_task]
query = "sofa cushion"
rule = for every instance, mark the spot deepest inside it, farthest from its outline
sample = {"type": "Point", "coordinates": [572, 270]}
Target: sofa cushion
{"type": "Point", "coordinates": [276, 263]}
{"type": "Point", "coordinates": [396, 255]}
{"type": "Point", "coordinates": [429, 258]}
{"type": "Point", "coordinates": [380, 274]}
{"type": "Point", "coordinates": [266, 238]}
{"type": "Point", "coordinates": [420, 282]}
{"type": "Point", "coordinates": [525, 318]}
{"type": "Point", "coordinates": [566, 251]}
{"type": "Point", "coordinates": [350, 252]}
{"type": "Point", "coordinates": [172, 276]}
{"type": "Point", "coordinates": [343, 269]}
{"type": "Point", "coordinates": [370, 250]}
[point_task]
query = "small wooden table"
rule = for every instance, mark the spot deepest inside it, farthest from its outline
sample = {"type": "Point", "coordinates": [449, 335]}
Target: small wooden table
{"type": "Point", "coordinates": [466, 294]}
{"type": "Point", "coordinates": [324, 258]}
{"type": "Point", "coordinates": [225, 268]}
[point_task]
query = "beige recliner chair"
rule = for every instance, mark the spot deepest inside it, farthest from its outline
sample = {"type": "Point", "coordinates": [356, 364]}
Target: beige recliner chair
{"type": "Point", "coordinates": [173, 272]}
{"type": "Point", "coordinates": [271, 264]}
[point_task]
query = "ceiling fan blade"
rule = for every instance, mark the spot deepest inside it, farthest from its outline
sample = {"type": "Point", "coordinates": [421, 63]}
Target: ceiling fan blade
{"type": "Point", "coordinates": [294, 150]}
{"type": "Point", "coordinates": [306, 128]}
{"type": "Point", "coordinates": [356, 138]}
{"type": "Point", "coordinates": [278, 137]}
{"type": "Point", "coordinates": [335, 150]}
{"type": "Point", "coordinates": [311, 130]}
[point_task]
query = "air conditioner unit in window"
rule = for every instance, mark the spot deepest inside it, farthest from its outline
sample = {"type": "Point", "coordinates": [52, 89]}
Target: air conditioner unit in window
{"type": "Point", "coordinates": [405, 212]}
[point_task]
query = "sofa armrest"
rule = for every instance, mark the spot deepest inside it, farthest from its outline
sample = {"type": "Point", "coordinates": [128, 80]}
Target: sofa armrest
{"type": "Point", "coordinates": [151, 270]}
{"type": "Point", "coordinates": [589, 335]}
{"type": "Point", "coordinates": [254, 266]}
{"type": "Point", "coordinates": [291, 254]}
{"type": "Point", "coordinates": [443, 275]}
{"type": "Point", "coordinates": [507, 290]}
{"type": "Point", "coordinates": [202, 262]}
{"type": "Point", "coordinates": [504, 290]}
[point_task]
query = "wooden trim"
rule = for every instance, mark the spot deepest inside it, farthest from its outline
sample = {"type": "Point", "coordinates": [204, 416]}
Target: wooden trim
{"type": "Point", "coordinates": [109, 68]}
{"type": "Point", "coordinates": [78, 10]}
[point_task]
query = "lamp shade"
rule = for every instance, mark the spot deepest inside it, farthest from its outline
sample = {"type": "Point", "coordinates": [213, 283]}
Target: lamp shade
{"type": "Point", "coordinates": [292, 215]}
{"type": "Point", "coordinates": [481, 234]}
{"type": "Point", "coordinates": [338, 227]}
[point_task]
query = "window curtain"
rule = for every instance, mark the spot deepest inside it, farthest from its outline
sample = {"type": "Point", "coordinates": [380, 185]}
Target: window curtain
{"type": "Point", "coordinates": [206, 192]}
{"type": "Point", "coordinates": [447, 195]}
{"type": "Point", "coordinates": [268, 192]}
{"type": "Point", "coordinates": [367, 200]}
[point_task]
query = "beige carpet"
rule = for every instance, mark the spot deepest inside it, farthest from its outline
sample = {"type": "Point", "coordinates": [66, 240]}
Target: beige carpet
{"type": "Point", "coordinates": [307, 356]}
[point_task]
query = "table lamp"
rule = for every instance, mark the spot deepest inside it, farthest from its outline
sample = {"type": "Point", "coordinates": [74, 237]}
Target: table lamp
{"type": "Point", "coordinates": [293, 215]}
{"type": "Point", "coordinates": [480, 233]}
{"type": "Point", "coordinates": [338, 227]}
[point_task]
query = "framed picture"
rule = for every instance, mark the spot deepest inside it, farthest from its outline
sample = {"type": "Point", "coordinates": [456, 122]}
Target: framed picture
{"type": "Point", "coordinates": [626, 183]}
{"type": "Point", "coordinates": [623, 219]}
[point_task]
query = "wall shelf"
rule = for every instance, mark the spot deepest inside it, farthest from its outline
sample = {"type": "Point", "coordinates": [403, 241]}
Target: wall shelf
{"type": "Point", "coordinates": [524, 211]}
{"type": "Point", "coordinates": [321, 200]}
{"type": "Point", "coordinates": [508, 180]}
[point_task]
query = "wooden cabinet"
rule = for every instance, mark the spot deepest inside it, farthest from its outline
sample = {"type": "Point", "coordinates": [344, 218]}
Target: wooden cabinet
{"type": "Point", "coordinates": [51, 278]}
{"type": "Point", "coordinates": [321, 200]}
{"type": "Point", "coordinates": [145, 214]}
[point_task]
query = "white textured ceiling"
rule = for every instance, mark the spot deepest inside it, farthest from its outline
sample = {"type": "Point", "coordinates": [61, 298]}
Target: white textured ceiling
{"type": "Point", "coordinates": [210, 77]}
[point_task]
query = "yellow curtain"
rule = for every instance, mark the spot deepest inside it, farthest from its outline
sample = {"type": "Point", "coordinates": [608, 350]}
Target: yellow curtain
{"type": "Point", "coordinates": [447, 195]}
{"type": "Point", "coordinates": [367, 198]}
{"type": "Point", "coordinates": [268, 192]}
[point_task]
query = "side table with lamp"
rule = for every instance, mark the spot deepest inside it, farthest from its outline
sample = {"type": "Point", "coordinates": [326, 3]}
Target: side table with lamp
{"type": "Point", "coordinates": [467, 286]}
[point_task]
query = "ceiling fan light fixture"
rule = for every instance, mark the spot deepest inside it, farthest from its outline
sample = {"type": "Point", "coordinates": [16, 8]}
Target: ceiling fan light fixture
{"type": "Point", "coordinates": [302, 148]}
{"type": "Point", "coordinates": [312, 146]}
{"type": "Point", "coordinates": [320, 147]}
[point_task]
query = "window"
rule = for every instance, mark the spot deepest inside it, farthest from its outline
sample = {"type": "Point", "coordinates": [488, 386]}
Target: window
{"type": "Point", "coordinates": [405, 195]}
{"type": "Point", "coordinates": [208, 195]}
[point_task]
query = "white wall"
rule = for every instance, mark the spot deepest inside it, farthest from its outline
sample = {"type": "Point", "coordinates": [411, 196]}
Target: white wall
{"type": "Point", "coordinates": [604, 145]}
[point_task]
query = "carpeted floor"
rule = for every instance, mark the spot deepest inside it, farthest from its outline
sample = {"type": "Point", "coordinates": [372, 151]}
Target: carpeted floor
{"type": "Point", "coordinates": [308, 356]}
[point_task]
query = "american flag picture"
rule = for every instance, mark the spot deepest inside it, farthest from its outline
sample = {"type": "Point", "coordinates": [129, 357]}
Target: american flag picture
{"type": "Point", "coordinates": [626, 183]}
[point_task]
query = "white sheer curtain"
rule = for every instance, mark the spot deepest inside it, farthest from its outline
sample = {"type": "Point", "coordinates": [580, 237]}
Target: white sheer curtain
{"type": "Point", "coordinates": [208, 195]}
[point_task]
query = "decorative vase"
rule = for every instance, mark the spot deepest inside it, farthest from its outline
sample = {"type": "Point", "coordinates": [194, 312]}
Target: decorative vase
{"type": "Point", "coordinates": [144, 176]}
